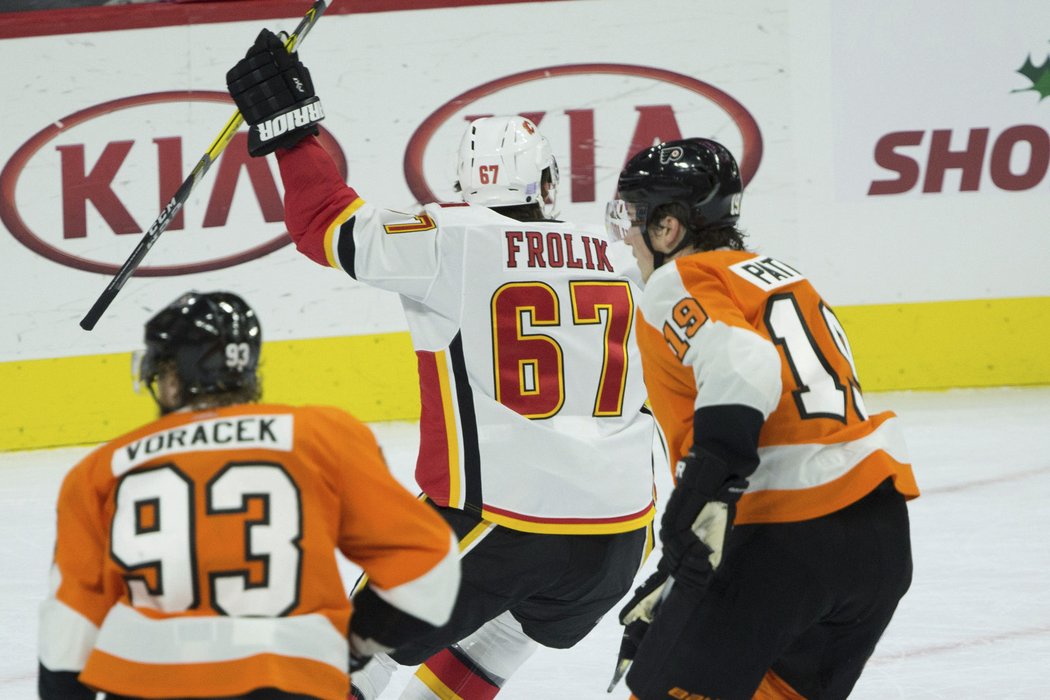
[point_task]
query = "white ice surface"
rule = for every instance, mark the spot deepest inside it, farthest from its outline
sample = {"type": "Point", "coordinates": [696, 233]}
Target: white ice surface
{"type": "Point", "coordinates": [975, 624]}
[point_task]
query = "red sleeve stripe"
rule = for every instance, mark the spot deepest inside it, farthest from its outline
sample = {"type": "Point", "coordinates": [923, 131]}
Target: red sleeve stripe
{"type": "Point", "coordinates": [438, 468]}
{"type": "Point", "coordinates": [569, 526]}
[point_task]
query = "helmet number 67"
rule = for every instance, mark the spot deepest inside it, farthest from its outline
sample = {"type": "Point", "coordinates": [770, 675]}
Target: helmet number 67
{"type": "Point", "coordinates": [488, 174]}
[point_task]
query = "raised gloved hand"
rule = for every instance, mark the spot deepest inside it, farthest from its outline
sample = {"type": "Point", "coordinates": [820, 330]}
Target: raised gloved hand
{"type": "Point", "coordinates": [698, 517]}
{"type": "Point", "coordinates": [636, 616]}
{"type": "Point", "coordinates": [274, 92]}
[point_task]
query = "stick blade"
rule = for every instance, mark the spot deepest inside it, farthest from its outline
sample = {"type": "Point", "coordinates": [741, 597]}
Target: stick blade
{"type": "Point", "coordinates": [621, 668]}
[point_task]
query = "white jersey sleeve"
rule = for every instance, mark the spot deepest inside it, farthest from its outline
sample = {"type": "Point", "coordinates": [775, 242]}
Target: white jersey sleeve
{"type": "Point", "coordinates": [394, 250]}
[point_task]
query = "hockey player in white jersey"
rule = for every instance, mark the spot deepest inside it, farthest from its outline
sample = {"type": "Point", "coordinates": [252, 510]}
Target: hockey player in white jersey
{"type": "Point", "coordinates": [535, 441]}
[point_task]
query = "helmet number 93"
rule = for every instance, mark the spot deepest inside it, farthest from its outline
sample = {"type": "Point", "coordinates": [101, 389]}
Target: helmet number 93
{"type": "Point", "coordinates": [238, 355]}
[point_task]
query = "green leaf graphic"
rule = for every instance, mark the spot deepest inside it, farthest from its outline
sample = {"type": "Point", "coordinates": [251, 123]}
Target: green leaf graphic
{"type": "Point", "coordinates": [1039, 75]}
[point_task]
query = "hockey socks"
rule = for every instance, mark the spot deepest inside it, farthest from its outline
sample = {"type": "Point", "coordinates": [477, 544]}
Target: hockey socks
{"type": "Point", "coordinates": [452, 675]}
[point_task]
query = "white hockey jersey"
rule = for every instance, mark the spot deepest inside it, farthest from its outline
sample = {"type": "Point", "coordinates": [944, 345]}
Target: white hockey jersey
{"type": "Point", "coordinates": [533, 405]}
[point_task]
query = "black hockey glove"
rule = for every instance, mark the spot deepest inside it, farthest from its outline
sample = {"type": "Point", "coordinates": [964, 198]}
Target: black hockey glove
{"type": "Point", "coordinates": [377, 626]}
{"type": "Point", "coordinates": [698, 517]}
{"type": "Point", "coordinates": [359, 660]}
{"type": "Point", "coordinates": [274, 92]}
{"type": "Point", "coordinates": [636, 616]}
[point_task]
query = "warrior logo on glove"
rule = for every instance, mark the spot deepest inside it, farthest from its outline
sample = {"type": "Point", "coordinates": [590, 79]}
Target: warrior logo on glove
{"type": "Point", "coordinates": [297, 118]}
{"type": "Point", "coordinates": [274, 92]}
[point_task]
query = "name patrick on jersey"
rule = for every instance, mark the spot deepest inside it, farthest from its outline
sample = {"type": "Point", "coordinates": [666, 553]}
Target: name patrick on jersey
{"type": "Point", "coordinates": [551, 249]}
{"type": "Point", "coordinates": [233, 433]}
{"type": "Point", "coordinates": [767, 273]}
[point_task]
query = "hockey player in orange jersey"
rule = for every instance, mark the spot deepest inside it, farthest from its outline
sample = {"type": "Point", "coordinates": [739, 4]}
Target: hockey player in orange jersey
{"type": "Point", "coordinates": [195, 556]}
{"type": "Point", "coordinates": [785, 542]}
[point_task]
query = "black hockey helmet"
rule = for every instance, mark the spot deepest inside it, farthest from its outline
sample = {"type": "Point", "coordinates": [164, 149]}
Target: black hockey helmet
{"type": "Point", "coordinates": [213, 339]}
{"type": "Point", "coordinates": [699, 173]}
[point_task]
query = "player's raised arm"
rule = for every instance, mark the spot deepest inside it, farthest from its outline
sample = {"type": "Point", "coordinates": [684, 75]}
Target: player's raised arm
{"type": "Point", "coordinates": [275, 93]}
{"type": "Point", "coordinates": [328, 220]}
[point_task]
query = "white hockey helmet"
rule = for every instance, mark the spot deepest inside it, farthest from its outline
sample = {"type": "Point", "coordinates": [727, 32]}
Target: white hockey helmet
{"type": "Point", "coordinates": [501, 162]}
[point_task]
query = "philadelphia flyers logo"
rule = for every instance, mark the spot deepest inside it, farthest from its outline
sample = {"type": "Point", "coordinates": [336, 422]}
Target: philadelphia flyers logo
{"type": "Point", "coordinates": [669, 154]}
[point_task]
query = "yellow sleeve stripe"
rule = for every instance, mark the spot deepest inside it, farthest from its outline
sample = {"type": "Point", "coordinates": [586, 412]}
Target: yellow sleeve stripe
{"type": "Point", "coordinates": [435, 685]}
{"type": "Point", "coordinates": [451, 430]}
{"type": "Point", "coordinates": [477, 533]}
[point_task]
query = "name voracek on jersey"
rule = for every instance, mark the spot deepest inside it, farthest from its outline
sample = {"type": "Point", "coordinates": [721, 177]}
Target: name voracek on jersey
{"type": "Point", "coordinates": [265, 431]}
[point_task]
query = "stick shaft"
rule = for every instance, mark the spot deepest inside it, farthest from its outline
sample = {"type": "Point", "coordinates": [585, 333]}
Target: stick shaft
{"type": "Point", "coordinates": [183, 193]}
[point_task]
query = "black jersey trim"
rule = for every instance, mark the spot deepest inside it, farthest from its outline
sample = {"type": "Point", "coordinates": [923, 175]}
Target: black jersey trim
{"type": "Point", "coordinates": [474, 668]}
{"type": "Point", "coordinates": [468, 423]}
{"type": "Point", "coordinates": [346, 250]}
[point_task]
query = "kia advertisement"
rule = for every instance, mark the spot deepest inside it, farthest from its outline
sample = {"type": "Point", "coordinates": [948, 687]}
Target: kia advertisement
{"type": "Point", "coordinates": [592, 137]}
{"type": "Point", "coordinates": [862, 165]}
{"type": "Point", "coordinates": [95, 158]}
{"type": "Point", "coordinates": [119, 180]}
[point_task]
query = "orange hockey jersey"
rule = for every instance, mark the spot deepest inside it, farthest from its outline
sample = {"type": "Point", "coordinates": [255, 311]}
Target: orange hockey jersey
{"type": "Point", "coordinates": [196, 557]}
{"type": "Point", "coordinates": [727, 328]}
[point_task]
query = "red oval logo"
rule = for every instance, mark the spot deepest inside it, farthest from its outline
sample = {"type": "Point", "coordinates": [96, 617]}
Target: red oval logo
{"type": "Point", "coordinates": [114, 179]}
{"type": "Point", "coordinates": [608, 112]}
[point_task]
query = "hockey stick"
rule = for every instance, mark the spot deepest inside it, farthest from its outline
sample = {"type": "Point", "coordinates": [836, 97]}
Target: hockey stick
{"type": "Point", "coordinates": [622, 663]}
{"type": "Point", "coordinates": [183, 193]}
